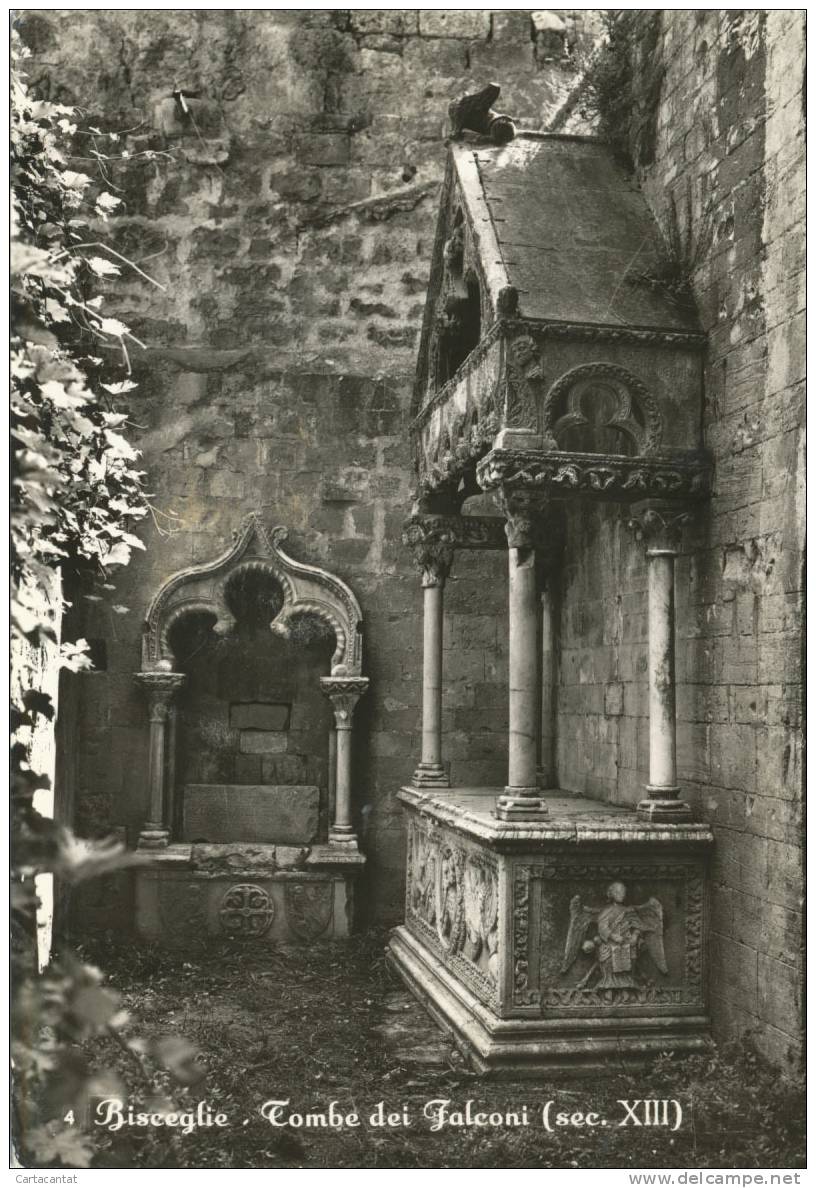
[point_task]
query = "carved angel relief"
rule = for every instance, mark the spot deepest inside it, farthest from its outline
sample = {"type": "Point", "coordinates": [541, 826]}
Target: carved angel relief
{"type": "Point", "coordinates": [616, 936]}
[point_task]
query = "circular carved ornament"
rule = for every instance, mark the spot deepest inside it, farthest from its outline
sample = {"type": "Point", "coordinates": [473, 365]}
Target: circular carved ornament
{"type": "Point", "coordinates": [246, 910]}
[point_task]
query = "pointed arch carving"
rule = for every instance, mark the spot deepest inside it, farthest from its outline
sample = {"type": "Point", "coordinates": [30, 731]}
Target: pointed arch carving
{"type": "Point", "coordinates": [306, 589]}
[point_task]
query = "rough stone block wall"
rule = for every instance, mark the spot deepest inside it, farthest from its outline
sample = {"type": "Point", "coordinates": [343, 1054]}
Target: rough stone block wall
{"type": "Point", "coordinates": [729, 136]}
{"type": "Point", "coordinates": [290, 220]}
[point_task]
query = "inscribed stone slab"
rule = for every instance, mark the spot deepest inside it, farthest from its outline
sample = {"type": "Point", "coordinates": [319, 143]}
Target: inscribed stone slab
{"type": "Point", "coordinates": [283, 813]}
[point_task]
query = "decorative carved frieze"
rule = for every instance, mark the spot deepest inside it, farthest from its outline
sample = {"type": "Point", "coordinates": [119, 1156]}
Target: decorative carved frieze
{"type": "Point", "coordinates": [452, 903]}
{"type": "Point", "coordinates": [609, 477]}
{"type": "Point", "coordinates": [423, 532]}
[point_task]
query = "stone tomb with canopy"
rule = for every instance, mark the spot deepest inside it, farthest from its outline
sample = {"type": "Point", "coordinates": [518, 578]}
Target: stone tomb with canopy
{"type": "Point", "coordinates": [546, 929]}
{"type": "Point", "coordinates": [251, 668]}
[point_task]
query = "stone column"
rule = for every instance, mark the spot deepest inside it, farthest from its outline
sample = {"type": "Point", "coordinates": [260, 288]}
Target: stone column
{"type": "Point", "coordinates": [658, 525]}
{"type": "Point", "coordinates": [521, 800]}
{"type": "Point", "coordinates": [161, 689]}
{"type": "Point", "coordinates": [433, 555]}
{"type": "Point", "coordinates": [546, 758]}
{"type": "Point", "coordinates": [343, 693]}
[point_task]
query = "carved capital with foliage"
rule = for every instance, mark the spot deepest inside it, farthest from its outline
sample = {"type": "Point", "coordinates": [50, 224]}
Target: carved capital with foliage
{"type": "Point", "coordinates": [161, 689]}
{"type": "Point", "coordinates": [525, 513]}
{"type": "Point", "coordinates": [432, 540]}
{"type": "Point", "coordinates": [659, 524]}
{"type": "Point", "coordinates": [343, 693]}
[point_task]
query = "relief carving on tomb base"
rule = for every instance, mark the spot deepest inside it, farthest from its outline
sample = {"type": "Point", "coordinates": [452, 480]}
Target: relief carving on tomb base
{"type": "Point", "coordinates": [309, 908]}
{"type": "Point", "coordinates": [596, 950]}
{"type": "Point", "coordinates": [452, 904]}
{"type": "Point", "coordinates": [615, 936]}
{"type": "Point", "coordinates": [246, 911]}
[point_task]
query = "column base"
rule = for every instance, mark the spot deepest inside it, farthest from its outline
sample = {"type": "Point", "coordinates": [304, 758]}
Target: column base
{"type": "Point", "coordinates": [343, 837]}
{"type": "Point", "coordinates": [663, 804]}
{"type": "Point", "coordinates": [153, 839]}
{"type": "Point", "coordinates": [520, 804]}
{"type": "Point", "coordinates": [430, 775]}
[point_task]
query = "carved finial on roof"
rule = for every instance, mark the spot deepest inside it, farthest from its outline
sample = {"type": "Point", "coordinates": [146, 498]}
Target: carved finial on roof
{"type": "Point", "coordinates": [474, 113]}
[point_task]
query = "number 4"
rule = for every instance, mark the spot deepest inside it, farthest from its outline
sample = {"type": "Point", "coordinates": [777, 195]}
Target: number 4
{"type": "Point", "coordinates": [69, 1118]}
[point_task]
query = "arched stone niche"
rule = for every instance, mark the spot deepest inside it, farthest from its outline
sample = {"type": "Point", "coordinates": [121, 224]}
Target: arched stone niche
{"type": "Point", "coordinates": [306, 590]}
{"type": "Point", "coordinates": [296, 591]}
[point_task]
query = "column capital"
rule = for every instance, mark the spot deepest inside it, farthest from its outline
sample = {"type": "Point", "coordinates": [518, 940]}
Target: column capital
{"type": "Point", "coordinates": [432, 540]}
{"type": "Point", "coordinates": [531, 520]}
{"type": "Point", "coordinates": [659, 524]}
{"type": "Point", "coordinates": [161, 689]}
{"type": "Point", "coordinates": [343, 693]}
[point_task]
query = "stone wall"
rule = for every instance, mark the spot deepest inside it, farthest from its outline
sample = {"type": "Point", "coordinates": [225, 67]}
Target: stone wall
{"type": "Point", "coordinates": [290, 219]}
{"type": "Point", "coordinates": [728, 136]}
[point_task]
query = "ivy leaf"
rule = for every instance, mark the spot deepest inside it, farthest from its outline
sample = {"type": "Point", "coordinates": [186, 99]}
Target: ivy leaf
{"type": "Point", "coordinates": [113, 326]}
{"type": "Point", "coordinates": [118, 388]}
{"type": "Point", "coordinates": [107, 202]}
{"type": "Point", "coordinates": [103, 267]}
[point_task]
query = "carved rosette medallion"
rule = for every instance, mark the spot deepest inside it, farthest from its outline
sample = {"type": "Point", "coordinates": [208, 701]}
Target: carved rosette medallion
{"type": "Point", "coordinates": [309, 908]}
{"type": "Point", "coordinates": [246, 911]}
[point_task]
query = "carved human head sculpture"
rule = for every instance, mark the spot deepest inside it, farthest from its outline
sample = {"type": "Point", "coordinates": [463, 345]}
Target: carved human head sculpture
{"type": "Point", "coordinates": [616, 893]}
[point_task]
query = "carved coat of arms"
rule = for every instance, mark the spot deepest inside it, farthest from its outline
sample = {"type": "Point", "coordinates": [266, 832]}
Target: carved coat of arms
{"type": "Point", "coordinates": [615, 935]}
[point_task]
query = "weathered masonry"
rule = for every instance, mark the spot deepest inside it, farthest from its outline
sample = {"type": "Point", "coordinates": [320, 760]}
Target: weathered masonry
{"type": "Point", "coordinates": [294, 246]}
{"type": "Point", "coordinates": [548, 381]}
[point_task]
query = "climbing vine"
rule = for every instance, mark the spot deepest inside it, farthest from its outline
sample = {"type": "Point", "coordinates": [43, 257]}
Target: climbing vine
{"type": "Point", "coordinates": [76, 492]}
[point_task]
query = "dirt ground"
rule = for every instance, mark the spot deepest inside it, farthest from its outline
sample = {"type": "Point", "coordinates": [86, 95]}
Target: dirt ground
{"type": "Point", "coordinates": [330, 1024]}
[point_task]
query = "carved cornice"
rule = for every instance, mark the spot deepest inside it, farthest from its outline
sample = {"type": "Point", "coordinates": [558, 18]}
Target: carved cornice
{"type": "Point", "coordinates": [614, 478]}
{"type": "Point", "coordinates": [628, 335]}
{"type": "Point", "coordinates": [659, 524]}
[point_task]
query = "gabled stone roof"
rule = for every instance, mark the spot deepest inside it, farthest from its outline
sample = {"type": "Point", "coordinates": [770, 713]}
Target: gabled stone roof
{"type": "Point", "coordinates": [557, 219]}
